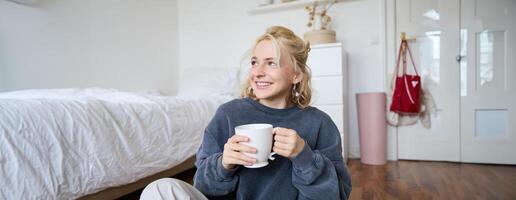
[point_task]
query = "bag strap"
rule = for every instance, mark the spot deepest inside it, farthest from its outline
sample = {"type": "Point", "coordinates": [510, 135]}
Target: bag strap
{"type": "Point", "coordinates": [408, 91]}
{"type": "Point", "coordinates": [404, 57]}
{"type": "Point", "coordinates": [395, 74]}
{"type": "Point", "coordinates": [407, 48]}
{"type": "Point", "coordinates": [411, 59]}
{"type": "Point", "coordinates": [402, 53]}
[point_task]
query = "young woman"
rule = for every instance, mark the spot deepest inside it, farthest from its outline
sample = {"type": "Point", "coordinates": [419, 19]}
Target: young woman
{"type": "Point", "coordinates": [310, 163]}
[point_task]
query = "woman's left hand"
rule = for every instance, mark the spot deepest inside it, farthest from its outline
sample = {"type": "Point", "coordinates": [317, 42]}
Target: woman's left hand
{"type": "Point", "coordinates": [287, 142]}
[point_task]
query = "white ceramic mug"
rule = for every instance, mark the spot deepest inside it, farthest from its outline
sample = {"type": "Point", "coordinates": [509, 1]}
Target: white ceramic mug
{"type": "Point", "coordinates": [260, 137]}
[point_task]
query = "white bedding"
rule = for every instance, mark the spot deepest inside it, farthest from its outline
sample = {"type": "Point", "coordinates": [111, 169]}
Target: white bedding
{"type": "Point", "coordinates": [67, 143]}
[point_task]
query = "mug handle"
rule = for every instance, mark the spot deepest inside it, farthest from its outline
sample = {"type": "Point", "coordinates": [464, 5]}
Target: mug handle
{"type": "Point", "coordinates": [270, 156]}
{"type": "Point", "coordinates": [273, 153]}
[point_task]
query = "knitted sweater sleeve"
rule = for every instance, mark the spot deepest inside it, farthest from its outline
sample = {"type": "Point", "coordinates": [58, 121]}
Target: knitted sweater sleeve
{"type": "Point", "coordinates": [211, 178]}
{"type": "Point", "coordinates": [320, 173]}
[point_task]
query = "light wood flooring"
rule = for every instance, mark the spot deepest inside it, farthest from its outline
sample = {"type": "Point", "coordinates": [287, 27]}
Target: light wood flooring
{"type": "Point", "coordinates": [432, 180]}
{"type": "Point", "coordinates": [421, 180]}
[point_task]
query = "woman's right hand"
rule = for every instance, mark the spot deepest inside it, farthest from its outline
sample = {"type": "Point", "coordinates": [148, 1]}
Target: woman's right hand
{"type": "Point", "coordinates": [233, 152]}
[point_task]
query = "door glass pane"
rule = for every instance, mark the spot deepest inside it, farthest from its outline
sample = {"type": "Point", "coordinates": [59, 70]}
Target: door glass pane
{"type": "Point", "coordinates": [490, 56]}
{"type": "Point", "coordinates": [491, 123]}
{"type": "Point", "coordinates": [429, 57]}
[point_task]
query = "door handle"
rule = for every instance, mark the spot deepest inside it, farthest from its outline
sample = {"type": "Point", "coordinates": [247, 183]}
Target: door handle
{"type": "Point", "coordinates": [459, 58]}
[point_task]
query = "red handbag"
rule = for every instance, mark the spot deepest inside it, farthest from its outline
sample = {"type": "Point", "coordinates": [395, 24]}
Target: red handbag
{"type": "Point", "coordinates": [407, 88]}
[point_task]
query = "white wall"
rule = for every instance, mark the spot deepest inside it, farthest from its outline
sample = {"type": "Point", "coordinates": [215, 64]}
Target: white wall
{"type": "Point", "coordinates": [122, 44]}
{"type": "Point", "coordinates": [139, 45]}
{"type": "Point", "coordinates": [218, 33]}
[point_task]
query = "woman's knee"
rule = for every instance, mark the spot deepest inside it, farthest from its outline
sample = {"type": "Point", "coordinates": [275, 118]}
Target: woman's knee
{"type": "Point", "coordinates": [169, 188]}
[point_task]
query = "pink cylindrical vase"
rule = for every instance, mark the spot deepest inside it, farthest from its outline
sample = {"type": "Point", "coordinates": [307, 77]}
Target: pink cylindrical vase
{"type": "Point", "coordinates": [372, 127]}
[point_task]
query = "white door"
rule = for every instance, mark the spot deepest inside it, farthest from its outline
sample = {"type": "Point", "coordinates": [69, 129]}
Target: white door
{"type": "Point", "coordinates": [476, 97]}
{"type": "Point", "coordinates": [488, 81]}
{"type": "Point", "coordinates": [435, 25]}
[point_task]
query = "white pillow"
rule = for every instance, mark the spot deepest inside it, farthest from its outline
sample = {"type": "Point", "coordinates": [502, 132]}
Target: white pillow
{"type": "Point", "coordinates": [199, 82]}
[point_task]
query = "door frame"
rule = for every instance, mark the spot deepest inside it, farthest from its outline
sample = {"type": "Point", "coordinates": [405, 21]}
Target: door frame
{"type": "Point", "coordinates": [388, 46]}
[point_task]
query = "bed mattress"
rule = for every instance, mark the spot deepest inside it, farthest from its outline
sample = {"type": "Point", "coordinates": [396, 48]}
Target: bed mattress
{"type": "Point", "coordinates": [67, 143]}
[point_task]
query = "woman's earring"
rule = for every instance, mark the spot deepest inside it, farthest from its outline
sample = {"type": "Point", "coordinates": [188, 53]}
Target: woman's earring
{"type": "Point", "coordinates": [295, 92]}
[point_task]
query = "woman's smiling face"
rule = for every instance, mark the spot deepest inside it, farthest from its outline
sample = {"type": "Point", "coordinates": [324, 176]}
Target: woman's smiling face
{"type": "Point", "coordinates": [271, 83]}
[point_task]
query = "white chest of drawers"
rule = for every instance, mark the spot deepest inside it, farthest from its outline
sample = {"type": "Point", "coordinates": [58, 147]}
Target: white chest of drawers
{"type": "Point", "coordinates": [329, 86]}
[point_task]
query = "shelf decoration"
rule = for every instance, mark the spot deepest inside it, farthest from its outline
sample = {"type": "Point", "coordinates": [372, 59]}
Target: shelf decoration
{"type": "Point", "coordinates": [319, 22]}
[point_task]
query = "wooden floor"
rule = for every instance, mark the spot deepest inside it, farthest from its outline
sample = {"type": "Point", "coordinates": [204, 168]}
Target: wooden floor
{"type": "Point", "coordinates": [432, 180]}
{"type": "Point", "coordinates": [421, 180]}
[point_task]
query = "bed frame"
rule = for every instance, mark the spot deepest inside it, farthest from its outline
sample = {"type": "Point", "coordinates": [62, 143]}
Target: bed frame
{"type": "Point", "coordinates": [116, 192]}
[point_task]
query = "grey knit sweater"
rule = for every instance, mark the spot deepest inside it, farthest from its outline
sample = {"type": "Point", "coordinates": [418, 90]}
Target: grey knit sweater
{"type": "Point", "coordinates": [318, 172]}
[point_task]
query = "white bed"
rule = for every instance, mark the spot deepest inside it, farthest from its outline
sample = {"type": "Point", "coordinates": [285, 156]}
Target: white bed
{"type": "Point", "coordinates": [67, 143]}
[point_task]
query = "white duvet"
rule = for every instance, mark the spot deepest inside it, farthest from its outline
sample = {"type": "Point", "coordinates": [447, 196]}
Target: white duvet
{"type": "Point", "coordinates": [67, 143]}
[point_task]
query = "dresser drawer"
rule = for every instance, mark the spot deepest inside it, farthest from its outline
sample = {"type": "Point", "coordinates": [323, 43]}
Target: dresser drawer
{"type": "Point", "coordinates": [327, 90]}
{"type": "Point", "coordinates": [326, 60]}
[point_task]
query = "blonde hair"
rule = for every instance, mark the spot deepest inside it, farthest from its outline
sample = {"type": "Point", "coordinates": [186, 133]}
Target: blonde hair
{"type": "Point", "coordinates": [284, 39]}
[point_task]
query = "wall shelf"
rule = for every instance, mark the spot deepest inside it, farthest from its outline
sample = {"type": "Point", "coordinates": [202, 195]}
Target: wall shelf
{"type": "Point", "coordinates": [283, 6]}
